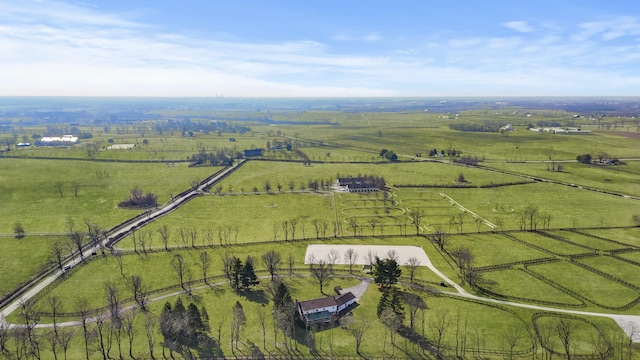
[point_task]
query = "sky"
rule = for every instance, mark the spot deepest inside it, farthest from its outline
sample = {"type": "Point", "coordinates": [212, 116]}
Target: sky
{"type": "Point", "coordinates": [272, 48]}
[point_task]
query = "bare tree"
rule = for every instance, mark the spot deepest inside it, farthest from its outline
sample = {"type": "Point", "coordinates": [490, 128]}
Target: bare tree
{"type": "Point", "coordinates": [371, 257]}
{"type": "Point", "coordinates": [332, 258]}
{"type": "Point", "coordinates": [179, 265]}
{"type": "Point", "coordinates": [412, 265]}
{"type": "Point", "coordinates": [82, 307]}
{"type": "Point", "coordinates": [57, 254]}
{"type": "Point", "coordinates": [262, 318]}
{"type": "Point", "coordinates": [77, 240]}
{"type": "Point", "coordinates": [112, 296]}
{"type": "Point", "coordinates": [205, 264]}
{"type": "Point", "coordinates": [59, 185]}
{"type": "Point", "coordinates": [55, 304]}
{"type": "Point", "coordinates": [64, 337]}
{"type": "Point", "coordinates": [350, 257]}
{"type": "Point", "coordinates": [416, 219]}
{"type": "Point", "coordinates": [321, 272]}
{"type": "Point", "coordinates": [294, 225]}
{"type": "Point", "coordinates": [439, 237]}
{"type": "Point", "coordinates": [139, 290]}
{"type": "Point", "coordinates": [564, 330]}
{"type": "Point", "coordinates": [129, 320]}
{"type": "Point", "coordinates": [193, 235]}
{"type": "Point", "coordinates": [150, 324]}
{"type": "Point", "coordinates": [464, 259]}
{"type": "Point", "coordinates": [285, 230]}
{"type": "Point", "coordinates": [164, 236]}
{"type": "Point", "coordinates": [393, 322]}
{"type": "Point", "coordinates": [271, 260]}
{"type": "Point", "coordinates": [52, 338]}
{"type": "Point", "coordinates": [291, 261]}
{"type": "Point", "coordinates": [373, 223]}
{"type": "Point", "coordinates": [511, 340]}
{"type": "Point", "coordinates": [357, 328]}
{"type": "Point", "coordinates": [439, 328]}
{"type": "Point", "coordinates": [118, 254]}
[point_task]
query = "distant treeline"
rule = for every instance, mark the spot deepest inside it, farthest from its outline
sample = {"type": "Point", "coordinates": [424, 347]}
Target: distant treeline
{"type": "Point", "coordinates": [487, 126]}
{"type": "Point", "coordinates": [222, 156]}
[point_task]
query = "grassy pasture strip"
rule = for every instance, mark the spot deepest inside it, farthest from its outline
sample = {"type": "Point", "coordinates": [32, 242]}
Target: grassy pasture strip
{"type": "Point", "coordinates": [581, 174]}
{"type": "Point", "coordinates": [256, 173]}
{"type": "Point", "coordinates": [629, 236]}
{"type": "Point", "coordinates": [596, 289]}
{"type": "Point", "coordinates": [493, 249]}
{"type": "Point", "coordinates": [519, 286]}
{"type": "Point", "coordinates": [562, 239]}
{"type": "Point", "coordinates": [591, 241]}
{"type": "Point", "coordinates": [614, 269]}
{"type": "Point", "coordinates": [569, 207]}
{"type": "Point", "coordinates": [552, 245]}
{"type": "Point", "coordinates": [629, 257]}
{"type": "Point", "coordinates": [253, 217]}
{"type": "Point", "coordinates": [31, 198]}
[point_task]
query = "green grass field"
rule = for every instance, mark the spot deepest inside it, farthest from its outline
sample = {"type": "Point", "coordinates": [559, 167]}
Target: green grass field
{"type": "Point", "coordinates": [246, 218]}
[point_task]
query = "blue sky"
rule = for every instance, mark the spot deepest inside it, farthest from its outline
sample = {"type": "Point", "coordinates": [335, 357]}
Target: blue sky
{"type": "Point", "coordinates": [324, 48]}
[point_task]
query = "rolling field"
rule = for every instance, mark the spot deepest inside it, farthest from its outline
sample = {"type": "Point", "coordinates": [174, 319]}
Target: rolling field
{"type": "Point", "coordinates": [583, 255]}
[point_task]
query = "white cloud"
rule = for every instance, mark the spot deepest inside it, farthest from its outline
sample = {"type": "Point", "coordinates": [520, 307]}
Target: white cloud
{"type": "Point", "coordinates": [519, 26]}
{"type": "Point", "coordinates": [48, 53]}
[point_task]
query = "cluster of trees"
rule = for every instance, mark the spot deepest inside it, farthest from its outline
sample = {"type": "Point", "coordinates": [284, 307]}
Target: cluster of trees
{"type": "Point", "coordinates": [185, 329]}
{"type": "Point", "coordinates": [241, 276]}
{"type": "Point", "coordinates": [389, 155]}
{"type": "Point", "coordinates": [584, 158]}
{"type": "Point", "coordinates": [218, 157]}
{"type": "Point", "coordinates": [530, 217]}
{"type": "Point", "coordinates": [467, 160]}
{"type": "Point", "coordinates": [139, 200]}
{"type": "Point", "coordinates": [487, 126]}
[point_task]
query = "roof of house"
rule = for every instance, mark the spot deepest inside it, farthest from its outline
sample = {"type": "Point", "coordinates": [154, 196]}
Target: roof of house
{"type": "Point", "coordinates": [329, 301]}
{"type": "Point", "coordinates": [345, 298]}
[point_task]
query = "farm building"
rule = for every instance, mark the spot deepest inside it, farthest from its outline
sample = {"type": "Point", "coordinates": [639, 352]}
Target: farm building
{"type": "Point", "coordinates": [57, 140]}
{"type": "Point", "coordinates": [325, 309]}
{"type": "Point", "coordinates": [357, 184]}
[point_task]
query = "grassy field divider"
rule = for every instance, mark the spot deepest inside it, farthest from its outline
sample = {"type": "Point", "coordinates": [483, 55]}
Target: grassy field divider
{"type": "Point", "coordinates": [561, 239]}
{"type": "Point", "coordinates": [576, 231]}
{"type": "Point", "coordinates": [510, 265]}
{"type": "Point", "coordinates": [526, 243]}
{"type": "Point", "coordinates": [570, 292]}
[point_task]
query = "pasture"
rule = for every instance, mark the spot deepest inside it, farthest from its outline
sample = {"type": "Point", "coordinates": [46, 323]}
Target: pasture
{"type": "Point", "coordinates": [583, 255]}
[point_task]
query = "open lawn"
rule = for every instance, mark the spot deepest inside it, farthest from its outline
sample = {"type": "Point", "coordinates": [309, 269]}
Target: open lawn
{"type": "Point", "coordinates": [15, 269]}
{"type": "Point", "coordinates": [29, 191]}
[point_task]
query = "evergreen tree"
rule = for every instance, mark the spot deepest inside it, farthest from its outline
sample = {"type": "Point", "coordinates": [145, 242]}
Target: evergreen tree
{"type": "Point", "coordinates": [249, 277]}
{"type": "Point", "coordinates": [386, 272]}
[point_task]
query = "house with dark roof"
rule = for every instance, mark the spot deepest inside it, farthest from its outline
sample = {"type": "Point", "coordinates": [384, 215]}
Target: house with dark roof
{"type": "Point", "coordinates": [326, 309]}
{"type": "Point", "coordinates": [356, 184]}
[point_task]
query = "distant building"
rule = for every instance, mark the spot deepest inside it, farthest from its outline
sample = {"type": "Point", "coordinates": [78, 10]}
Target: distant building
{"type": "Point", "coordinates": [356, 184]}
{"type": "Point", "coordinates": [253, 152]}
{"type": "Point", "coordinates": [57, 140]}
{"type": "Point", "coordinates": [324, 310]}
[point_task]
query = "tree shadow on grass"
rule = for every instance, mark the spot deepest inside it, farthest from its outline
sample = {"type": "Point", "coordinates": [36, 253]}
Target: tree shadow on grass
{"type": "Point", "coordinates": [257, 296]}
